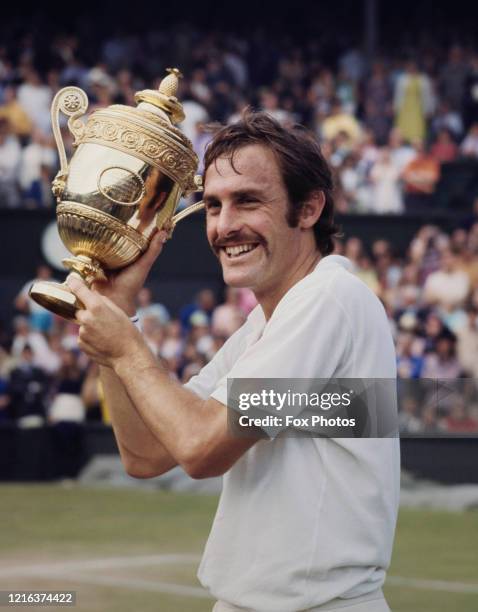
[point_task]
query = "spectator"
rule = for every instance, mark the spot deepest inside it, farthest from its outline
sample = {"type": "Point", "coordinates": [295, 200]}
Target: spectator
{"type": "Point", "coordinates": [40, 319]}
{"type": "Point", "coordinates": [339, 122]}
{"type": "Point", "coordinates": [204, 302]}
{"type": "Point", "coordinates": [458, 420]}
{"type": "Point", "coordinates": [27, 390]}
{"type": "Point", "coordinates": [146, 307]}
{"type": "Point", "coordinates": [452, 77]}
{"type": "Point", "coordinates": [35, 98]}
{"type": "Point", "coordinates": [385, 177]}
{"type": "Point", "coordinates": [20, 123]}
{"type": "Point", "coordinates": [228, 317]}
{"type": "Point", "coordinates": [37, 168]}
{"type": "Point", "coordinates": [409, 361]}
{"type": "Point", "coordinates": [408, 417]}
{"type": "Point", "coordinates": [413, 102]}
{"type": "Point", "coordinates": [449, 286]}
{"type": "Point", "coordinates": [443, 363]}
{"type": "Point", "coordinates": [378, 103]}
{"type": "Point", "coordinates": [10, 154]}
{"type": "Point", "coordinates": [420, 177]}
{"type": "Point", "coordinates": [444, 149]}
{"type": "Point", "coordinates": [469, 147]}
{"type": "Point", "coordinates": [467, 346]}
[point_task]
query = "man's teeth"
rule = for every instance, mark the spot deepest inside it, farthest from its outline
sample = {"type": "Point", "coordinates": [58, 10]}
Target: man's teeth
{"type": "Point", "coordinates": [234, 251]}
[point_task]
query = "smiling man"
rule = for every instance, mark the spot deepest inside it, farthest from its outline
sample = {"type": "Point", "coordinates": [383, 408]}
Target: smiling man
{"type": "Point", "coordinates": [302, 523]}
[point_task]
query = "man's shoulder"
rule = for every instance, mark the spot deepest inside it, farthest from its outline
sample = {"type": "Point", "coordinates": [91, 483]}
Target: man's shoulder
{"type": "Point", "coordinates": [333, 280]}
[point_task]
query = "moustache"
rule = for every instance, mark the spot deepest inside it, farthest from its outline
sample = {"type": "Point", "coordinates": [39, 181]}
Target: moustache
{"type": "Point", "coordinates": [235, 240]}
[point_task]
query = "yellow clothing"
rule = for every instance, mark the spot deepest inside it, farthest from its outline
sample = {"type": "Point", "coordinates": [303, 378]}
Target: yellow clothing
{"type": "Point", "coordinates": [20, 122]}
{"type": "Point", "coordinates": [105, 413]}
{"type": "Point", "coordinates": [342, 122]}
{"type": "Point", "coordinates": [410, 118]}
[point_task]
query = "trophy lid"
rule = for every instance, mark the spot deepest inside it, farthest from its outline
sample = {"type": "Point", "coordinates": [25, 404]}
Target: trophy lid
{"type": "Point", "coordinates": [146, 131]}
{"type": "Point", "coordinates": [164, 97]}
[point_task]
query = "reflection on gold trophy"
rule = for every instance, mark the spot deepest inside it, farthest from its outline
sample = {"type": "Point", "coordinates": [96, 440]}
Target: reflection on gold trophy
{"type": "Point", "coordinates": [130, 168]}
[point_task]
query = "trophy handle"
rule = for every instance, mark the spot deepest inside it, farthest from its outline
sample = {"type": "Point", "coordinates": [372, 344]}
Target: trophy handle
{"type": "Point", "coordinates": [165, 219]}
{"type": "Point", "coordinates": [72, 102]}
{"type": "Point", "coordinates": [186, 212]}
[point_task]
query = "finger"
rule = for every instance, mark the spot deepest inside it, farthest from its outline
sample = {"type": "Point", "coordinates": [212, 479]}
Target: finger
{"type": "Point", "coordinates": [81, 291]}
{"type": "Point", "coordinates": [154, 249]}
{"type": "Point", "coordinates": [91, 352]}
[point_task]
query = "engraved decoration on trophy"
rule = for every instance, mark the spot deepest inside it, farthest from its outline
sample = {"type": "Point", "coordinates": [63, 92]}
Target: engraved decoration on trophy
{"type": "Point", "coordinates": [130, 167]}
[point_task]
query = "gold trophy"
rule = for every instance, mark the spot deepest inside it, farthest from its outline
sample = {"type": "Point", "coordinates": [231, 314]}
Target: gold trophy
{"type": "Point", "coordinates": [129, 170]}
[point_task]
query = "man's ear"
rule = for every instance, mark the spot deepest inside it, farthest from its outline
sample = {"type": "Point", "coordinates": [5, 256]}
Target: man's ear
{"type": "Point", "coordinates": [311, 210]}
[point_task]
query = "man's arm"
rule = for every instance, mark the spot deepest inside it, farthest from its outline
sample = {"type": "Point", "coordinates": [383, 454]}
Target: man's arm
{"type": "Point", "coordinates": [193, 431]}
{"type": "Point", "coordinates": [142, 454]}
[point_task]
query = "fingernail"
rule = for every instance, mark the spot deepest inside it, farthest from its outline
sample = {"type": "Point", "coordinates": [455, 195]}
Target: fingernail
{"type": "Point", "coordinates": [163, 236]}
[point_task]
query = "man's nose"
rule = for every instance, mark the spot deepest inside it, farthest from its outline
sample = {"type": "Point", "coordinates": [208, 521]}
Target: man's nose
{"type": "Point", "coordinates": [228, 222]}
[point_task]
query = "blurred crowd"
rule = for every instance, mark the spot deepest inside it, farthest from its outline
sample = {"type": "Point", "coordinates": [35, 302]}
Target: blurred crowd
{"type": "Point", "coordinates": [387, 126]}
{"type": "Point", "coordinates": [430, 296]}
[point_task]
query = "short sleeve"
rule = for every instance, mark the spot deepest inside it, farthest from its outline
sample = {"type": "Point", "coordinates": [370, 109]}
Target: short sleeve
{"type": "Point", "coordinates": [308, 336]}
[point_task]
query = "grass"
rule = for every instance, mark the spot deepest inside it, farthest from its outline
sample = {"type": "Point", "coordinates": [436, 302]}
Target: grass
{"type": "Point", "coordinates": [44, 524]}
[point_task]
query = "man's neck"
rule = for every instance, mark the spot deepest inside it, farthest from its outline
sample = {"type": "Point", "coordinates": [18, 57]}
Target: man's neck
{"type": "Point", "coordinates": [268, 299]}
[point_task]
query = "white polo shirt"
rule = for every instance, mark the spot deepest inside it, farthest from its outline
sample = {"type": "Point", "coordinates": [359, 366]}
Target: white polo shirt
{"type": "Point", "coordinates": [302, 521]}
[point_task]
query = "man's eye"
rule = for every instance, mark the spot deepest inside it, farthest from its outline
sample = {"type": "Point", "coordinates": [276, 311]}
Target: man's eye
{"type": "Point", "coordinates": [213, 207]}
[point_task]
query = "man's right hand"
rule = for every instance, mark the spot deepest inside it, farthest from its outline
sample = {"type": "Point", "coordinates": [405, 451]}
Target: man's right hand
{"type": "Point", "coordinates": [123, 286]}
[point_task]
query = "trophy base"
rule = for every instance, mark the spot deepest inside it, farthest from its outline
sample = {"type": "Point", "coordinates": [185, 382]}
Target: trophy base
{"type": "Point", "coordinates": [57, 298]}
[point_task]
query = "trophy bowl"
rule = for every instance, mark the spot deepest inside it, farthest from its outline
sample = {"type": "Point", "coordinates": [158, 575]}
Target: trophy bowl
{"type": "Point", "coordinates": [130, 167]}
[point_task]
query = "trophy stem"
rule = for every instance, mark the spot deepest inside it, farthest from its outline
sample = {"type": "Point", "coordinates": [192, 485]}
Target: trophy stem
{"type": "Point", "coordinates": [57, 297]}
{"type": "Point", "coordinates": [86, 267]}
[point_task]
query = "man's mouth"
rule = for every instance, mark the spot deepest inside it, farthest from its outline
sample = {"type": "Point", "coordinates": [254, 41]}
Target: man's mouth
{"type": "Point", "coordinates": [239, 250]}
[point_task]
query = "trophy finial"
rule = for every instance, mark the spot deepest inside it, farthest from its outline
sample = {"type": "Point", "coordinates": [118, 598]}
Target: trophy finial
{"type": "Point", "coordinates": [169, 85]}
{"type": "Point", "coordinates": [164, 97]}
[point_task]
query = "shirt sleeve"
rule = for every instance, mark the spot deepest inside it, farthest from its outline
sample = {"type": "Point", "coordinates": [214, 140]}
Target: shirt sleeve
{"type": "Point", "coordinates": [308, 336]}
{"type": "Point", "coordinates": [204, 383]}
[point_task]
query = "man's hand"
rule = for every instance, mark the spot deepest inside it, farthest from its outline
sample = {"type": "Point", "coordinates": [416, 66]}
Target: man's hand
{"type": "Point", "coordinates": [123, 286]}
{"type": "Point", "coordinates": [106, 334]}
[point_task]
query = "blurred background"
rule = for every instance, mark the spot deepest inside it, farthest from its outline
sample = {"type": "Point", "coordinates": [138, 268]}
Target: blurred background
{"type": "Point", "coordinates": [390, 90]}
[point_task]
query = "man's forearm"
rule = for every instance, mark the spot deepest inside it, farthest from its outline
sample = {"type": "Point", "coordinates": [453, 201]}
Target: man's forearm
{"type": "Point", "coordinates": [142, 453]}
{"type": "Point", "coordinates": [193, 430]}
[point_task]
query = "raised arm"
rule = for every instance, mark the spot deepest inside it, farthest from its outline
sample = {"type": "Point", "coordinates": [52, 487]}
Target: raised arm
{"type": "Point", "coordinates": [192, 431]}
{"type": "Point", "coordinates": [141, 452]}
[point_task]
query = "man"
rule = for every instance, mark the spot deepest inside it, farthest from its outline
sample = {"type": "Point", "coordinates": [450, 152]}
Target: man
{"type": "Point", "coordinates": [302, 523]}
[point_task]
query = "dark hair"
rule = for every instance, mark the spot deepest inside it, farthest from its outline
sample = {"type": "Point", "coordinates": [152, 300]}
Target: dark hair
{"type": "Point", "coordinates": [302, 165]}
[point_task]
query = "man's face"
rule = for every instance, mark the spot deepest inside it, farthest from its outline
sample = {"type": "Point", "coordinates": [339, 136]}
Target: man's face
{"type": "Point", "coordinates": [246, 213]}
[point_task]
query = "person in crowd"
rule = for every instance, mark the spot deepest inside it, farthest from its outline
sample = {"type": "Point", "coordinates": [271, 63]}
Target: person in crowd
{"type": "Point", "coordinates": [467, 344]}
{"type": "Point", "coordinates": [469, 146]}
{"type": "Point", "coordinates": [39, 318]}
{"type": "Point", "coordinates": [228, 317]}
{"type": "Point", "coordinates": [443, 362]}
{"type": "Point", "coordinates": [34, 97]}
{"type": "Point", "coordinates": [385, 177]}
{"type": "Point", "coordinates": [205, 301]}
{"type": "Point", "coordinates": [420, 177]}
{"type": "Point", "coordinates": [414, 102]}
{"type": "Point", "coordinates": [444, 149]}
{"type": "Point", "coordinates": [27, 390]}
{"type": "Point", "coordinates": [10, 156]}
{"type": "Point", "coordinates": [339, 122]}
{"type": "Point", "coordinates": [11, 110]}
{"type": "Point", "coordinates": [449, 286]}
{"type": "Point", "coordinates": [147, 308]}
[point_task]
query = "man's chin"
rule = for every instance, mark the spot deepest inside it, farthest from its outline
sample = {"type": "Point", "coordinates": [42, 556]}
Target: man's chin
{"type": "Point", "coordinates": [236, 280]}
